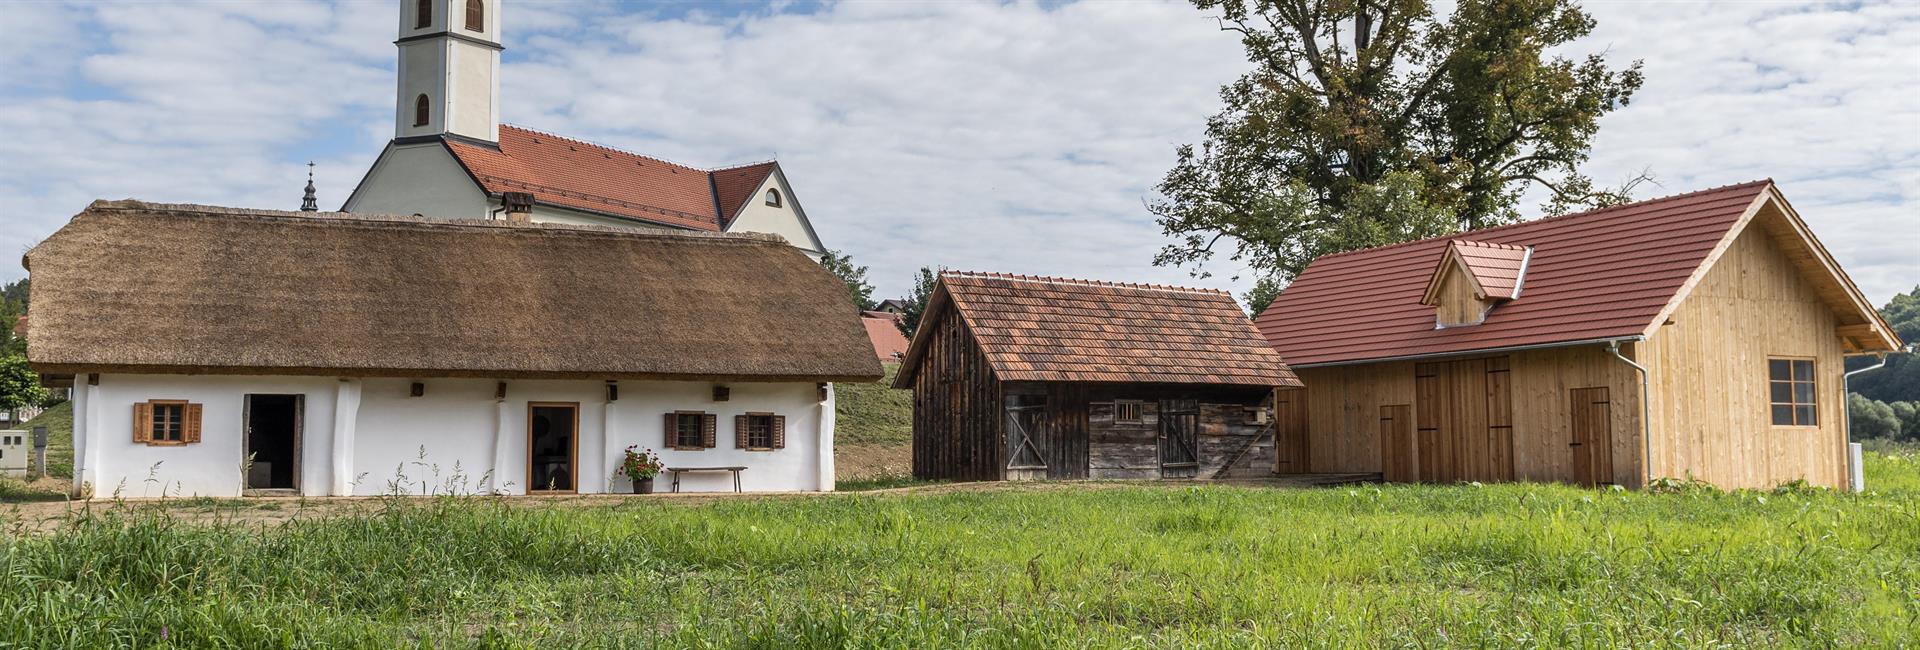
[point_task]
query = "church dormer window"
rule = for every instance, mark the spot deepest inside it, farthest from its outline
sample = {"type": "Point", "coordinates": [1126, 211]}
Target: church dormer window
{"type": "Point", "coordinates": [420, 111]}
{"type": "Point", "coordinates": [422, 14]}
{"type": "Point", "coordinates": [773, 197]}
{"type": "Point", "coordinates": [476, 16]}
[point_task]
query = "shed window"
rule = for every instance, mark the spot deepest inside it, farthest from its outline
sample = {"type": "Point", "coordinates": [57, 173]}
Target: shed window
{"type": "Point", "coordinates": [166, 422]}
{"type": "Point", "coordinates": [690, 430]}
{"type": "Point", "coordinates": [773, 197]}
{"type": "Point", "coordinates": [1129, 411]}
{"type": "Point", "coordinates": [420, 111]}
{"type": "Point", "coordinates": [422, 14]}
{"type": "Point", "coordinates": [760, 431]}
{"type": "Point", "coordinates": [1792, 392]}
{"type": "Point", "coordinates": [476, 16]}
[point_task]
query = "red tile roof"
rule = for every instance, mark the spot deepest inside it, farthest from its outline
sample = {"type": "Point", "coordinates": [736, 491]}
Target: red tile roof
{"type": "Point", "coordinates": [575, 174]}
{"type": "Point", "coordinates": [1057, 329]}
{"type": "Point", "coordinates": [888, 342]}
{"type": "Point", "coordinates": [1496, 268]}
{"type": "Point", "coordinates": [1594, 275]}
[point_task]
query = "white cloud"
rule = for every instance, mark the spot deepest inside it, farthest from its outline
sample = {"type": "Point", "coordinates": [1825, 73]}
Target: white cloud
{"type": "Point", "coordinates": [1006, 137]}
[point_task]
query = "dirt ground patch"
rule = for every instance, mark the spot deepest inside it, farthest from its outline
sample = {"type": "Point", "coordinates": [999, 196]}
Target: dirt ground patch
{"type": "Point", "coordinates": [872, 461]}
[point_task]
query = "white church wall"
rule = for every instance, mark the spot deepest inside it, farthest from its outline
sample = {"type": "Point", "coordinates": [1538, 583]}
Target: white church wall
{"type": "Point", "coordinates": [421, 178]}
{"type": "Point", "coordinates": [543, 213]}
{"type": "Point", "coordinates": [783, 220]}
{"type": "Point", "coordinates": [473, 111]}
{"type": "Point", "coordinates": [406, 443]}
{"type": "Point", "coordinates": [422, 72]}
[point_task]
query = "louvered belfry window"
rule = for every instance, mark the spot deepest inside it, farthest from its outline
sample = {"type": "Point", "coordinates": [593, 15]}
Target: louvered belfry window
{"type": "Point", "coordinates": [476, 16]}
{"type": "Point", "coordinates": [423, 14]}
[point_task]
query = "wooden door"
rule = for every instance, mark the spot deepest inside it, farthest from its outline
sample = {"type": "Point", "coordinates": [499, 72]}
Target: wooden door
{"type": "Point", "coordinates": [1592, 436]}
{"type": "Point", "coordinates": [1026, 431]}
{"type": "Point", "coordinates": [1398, 458]}
{"type": "Point", "coordinates": [1463, 420]}
{"type": "Point", "coordinates": [1290, 431]}
{"type": "Point", "coordinates": [1179, 424]}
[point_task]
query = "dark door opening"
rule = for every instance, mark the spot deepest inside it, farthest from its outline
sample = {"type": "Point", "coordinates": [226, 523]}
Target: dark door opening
{"type": "Point", "coordinates": [273, 441]}
{"type": "Point", "coordinates": [1592, 436]}
{"type": "Point", "coordinates": [1179, 422]}
{"type": "Point", "coordinates": [551, 445]}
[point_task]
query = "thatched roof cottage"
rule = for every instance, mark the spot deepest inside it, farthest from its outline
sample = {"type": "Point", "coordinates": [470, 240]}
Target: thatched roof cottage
{"type": "Point", "coordinates": [215, 351]}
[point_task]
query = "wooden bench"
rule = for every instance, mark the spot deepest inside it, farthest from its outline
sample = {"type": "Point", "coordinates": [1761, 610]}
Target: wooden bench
{"type": "Point", "coordinates": [677, 471]}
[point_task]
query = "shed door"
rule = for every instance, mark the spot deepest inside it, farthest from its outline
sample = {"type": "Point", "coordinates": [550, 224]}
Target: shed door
{"type": "Point", "coordinates": [1027, 430]}
{"type": "Point", "coordinates": [1592, 436]}
{"type": "Point", "coordinates": [1397, 455]}
{"type": "Point", "coordinates": [1179, 422]}
{"type": "Point", "coordinates": [1290, 431]}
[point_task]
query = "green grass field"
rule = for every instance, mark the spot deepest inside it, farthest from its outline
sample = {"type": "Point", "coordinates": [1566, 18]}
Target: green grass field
{"type": "Point", "coordinates": [873, 413]}
{"type": "Point", "coordinates": [1090, 565]}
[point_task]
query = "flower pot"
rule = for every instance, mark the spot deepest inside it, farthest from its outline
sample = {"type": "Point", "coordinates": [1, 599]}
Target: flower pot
{"type": "Point", "coordinates": [643, 486]}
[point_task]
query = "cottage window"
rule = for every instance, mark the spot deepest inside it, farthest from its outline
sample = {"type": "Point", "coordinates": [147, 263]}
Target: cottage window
{"type": "Point", "coordinates": [1129, 411]}
{"type": "Point", "coordinates": [690, 430]}
{"type": "Point", "coordinates": [760, 431]}
{"type": "Point", "coordinates": [422, 14]}
{"type": "Point", "coordinates": [1791, 392]}
{"type": "Point", "coordinates": [166, 422]}
{"type": "Point", "coordinates": [476, 16]}
{"type": "Point", "coordinates": [773, 197]}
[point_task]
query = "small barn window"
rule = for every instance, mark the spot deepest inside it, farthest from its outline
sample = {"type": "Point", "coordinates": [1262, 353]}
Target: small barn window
{"type": "Point", "coordinates": [1129, 411]}
{"type": "Point", "coordinates": [476, 16]}
{"type": "Point", "coordinates": [773, 197]}
{"type": "Point", "coordinates": [1791, 392]}
{"type": "Point", "coordinates": [690, 430]}
{"type": "Point", "coordinates": [166, 422]}
{"type": "Point", "coordinates": [420, 111]}
{"type": "Point", "coordinates": [422, 14]}
{"type": "Point", "coordinates": [759, 431]}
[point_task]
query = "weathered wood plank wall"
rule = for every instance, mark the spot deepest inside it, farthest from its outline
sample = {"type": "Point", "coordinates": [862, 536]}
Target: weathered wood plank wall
{"type": "Point", "coordinates": [958, 420]}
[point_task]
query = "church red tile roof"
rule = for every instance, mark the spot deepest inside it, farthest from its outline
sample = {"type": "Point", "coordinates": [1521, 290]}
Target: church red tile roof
{"type": "Point", "coordinates": [584, 176]}
{"type": "Point", "coordinates": [1059, 329]}
{"type": "Point", "coordinates": [1591, 276]}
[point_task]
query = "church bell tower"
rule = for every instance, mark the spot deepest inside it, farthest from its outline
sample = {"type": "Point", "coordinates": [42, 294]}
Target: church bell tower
{"type": "Point", "coordinates": [449, 69]}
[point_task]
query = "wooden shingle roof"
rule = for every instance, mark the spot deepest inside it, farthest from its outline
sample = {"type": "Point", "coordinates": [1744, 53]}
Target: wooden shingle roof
{"type": "Point", "coordinates": [1058, 329]}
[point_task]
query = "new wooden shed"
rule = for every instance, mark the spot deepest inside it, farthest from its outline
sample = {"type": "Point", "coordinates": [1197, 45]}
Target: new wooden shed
{"type": "Point", "coordinates": [1018, 377]}
{"type": "Point", "coordinates": [1699, 335]}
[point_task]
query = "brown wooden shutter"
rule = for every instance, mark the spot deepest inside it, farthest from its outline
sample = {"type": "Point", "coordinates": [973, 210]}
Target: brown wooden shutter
{"type": "Point", "coordinates": [710, 431]}
{"type": "Point", "coordinates": [143, 422]}
{"type": "Point", "coordinates": [190, 426]}
{"type": "Point", "coordinates": [740, 432]}
{"type": "Point", "coordinates": [672, 439]}
{"type": "Point", "coordinates": [779, 432]}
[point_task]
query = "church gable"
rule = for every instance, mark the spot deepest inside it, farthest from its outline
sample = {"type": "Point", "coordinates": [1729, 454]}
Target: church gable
{"type": "Point", "coordinates": [769, 207]}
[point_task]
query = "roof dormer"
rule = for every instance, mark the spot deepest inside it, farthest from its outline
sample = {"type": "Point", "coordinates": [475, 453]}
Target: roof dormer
{"type": "Point", "coordinates": [1472, 278]}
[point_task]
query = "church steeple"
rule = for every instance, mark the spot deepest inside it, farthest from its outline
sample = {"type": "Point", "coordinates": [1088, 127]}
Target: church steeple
{"type": "Point", "coordinates": [310, 203]}
{"type": "Point", "coordinates": [449, 69]}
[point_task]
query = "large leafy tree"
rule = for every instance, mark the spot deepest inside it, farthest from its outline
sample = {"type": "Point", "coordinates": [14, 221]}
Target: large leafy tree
{"type": "Point", "coordinates": [841, 266]}
{"type": "Point", "coordinates": [1368, 122]}
{"type": "Point", "coordinates": [1900, 379]}
{"type": "Point", "coordinates": [19, 386]}
{"type": "Point", "coordinates": [13, 304]}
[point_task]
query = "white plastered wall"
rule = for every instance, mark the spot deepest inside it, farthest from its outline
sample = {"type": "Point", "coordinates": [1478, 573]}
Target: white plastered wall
{"type": "Point", "coordinates": [419, 179]}
{"type": "Point", "coordinates": [456, 437]}
{"type": "Point", "coordinates": [785, 220]}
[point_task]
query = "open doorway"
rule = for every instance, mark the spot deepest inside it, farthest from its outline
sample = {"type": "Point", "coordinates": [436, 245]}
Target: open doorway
{"type": "Point", "coordinates": [552, 444]}
{"type": "Point", "coordinates": [273, 441]}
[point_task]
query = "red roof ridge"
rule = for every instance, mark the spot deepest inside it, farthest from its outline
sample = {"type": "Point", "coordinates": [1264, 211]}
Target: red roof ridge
{"type": "Point", "coordinates": [1559, 217]}
{"type": "Point", "coordinates": [613, 149]}
{"type": "Point", "coordinates": [1483, 244]}
{"type": "Point", "coordinates": [1047, 279]}
{"type": "Point", "coordinates": [728, 168]}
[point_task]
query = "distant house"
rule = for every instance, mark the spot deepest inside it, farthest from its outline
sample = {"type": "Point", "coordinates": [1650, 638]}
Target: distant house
{"type": "Point", "coordinates": [893, 306]}
{"type": "Point", "coordinates": [1700, 335]}
{"type": "Point", "coordinates": [884, 331]}
{"type": "Point", "coordinates": [1018, 377]}
{"type": "Point", "coordinates": [220, 352]}
{"type": "Point", "coordinates": [452, 157]}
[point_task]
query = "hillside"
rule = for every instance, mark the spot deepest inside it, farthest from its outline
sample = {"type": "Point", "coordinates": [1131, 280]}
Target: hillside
{"type": "Point", "coordinates": [873, 429]}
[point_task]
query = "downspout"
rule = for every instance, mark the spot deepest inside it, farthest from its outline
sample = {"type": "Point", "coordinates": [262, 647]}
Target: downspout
{"type": "Point", "coordinates": [1646, 412]}
{"type": "Point", "coordinates": [1856, 475]}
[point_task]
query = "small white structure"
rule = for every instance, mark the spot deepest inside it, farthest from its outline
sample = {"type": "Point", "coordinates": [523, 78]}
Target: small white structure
{"type": "Point", "coordinates": [221, 352]}
{"type": "Point", "coordinates": [451, 157]}
{"type": "Point", "coordinates": [13, 452]}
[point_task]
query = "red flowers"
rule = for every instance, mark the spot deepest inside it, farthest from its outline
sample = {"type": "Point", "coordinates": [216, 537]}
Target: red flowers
{"type": "Point", "coordinates": [640, 465]}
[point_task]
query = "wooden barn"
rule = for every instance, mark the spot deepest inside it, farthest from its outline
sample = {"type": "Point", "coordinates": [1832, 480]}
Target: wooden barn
{"type": "Point", "coordinates": [1700, 335]}
{"type": "Point", "coordinates": [1018, 377]}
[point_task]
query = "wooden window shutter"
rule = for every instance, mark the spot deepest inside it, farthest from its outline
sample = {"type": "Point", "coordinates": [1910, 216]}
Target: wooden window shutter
{"type": "Point", "coordinates": [143, 422]}
{"type": "Point", "coordinates": [740, 432]}
{"type": "Point", "coordinates": [779, 432]}
{"type": "Point", "coordinates": [710, 430]}
{"type": "Point", "coordinates": [190, 427]}
{"type": "Point", "coordinates": [672, 430]}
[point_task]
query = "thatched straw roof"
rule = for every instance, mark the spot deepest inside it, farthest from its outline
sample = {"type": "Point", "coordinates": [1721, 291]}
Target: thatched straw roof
{"type": "Point", "coordinates": [129, 286]}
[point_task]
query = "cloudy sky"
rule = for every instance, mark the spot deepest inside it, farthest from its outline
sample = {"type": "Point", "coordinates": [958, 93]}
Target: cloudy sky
{"type": "Point", "coordinates": [1014, 137]}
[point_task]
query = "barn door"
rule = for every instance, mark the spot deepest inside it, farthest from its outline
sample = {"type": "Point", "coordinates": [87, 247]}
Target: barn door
{"type": "Point", "coordinates": [1179, 422]}
{"type": "Point", "coordinates": [1592, 436]}
{"type": "Point", "coordinates": [1026, 424]}
{"type": "Point", "coordinates": [1464, 420]}
{"type": "Point", "coordinates": [1289, 431]}
{"type": "Point", "coordinates": [1397, 456]}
